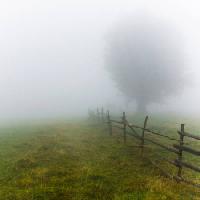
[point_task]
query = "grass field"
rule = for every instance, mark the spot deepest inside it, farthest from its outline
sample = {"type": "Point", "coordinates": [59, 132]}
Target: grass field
{"type": "Point", "coordinates": [79, 160]}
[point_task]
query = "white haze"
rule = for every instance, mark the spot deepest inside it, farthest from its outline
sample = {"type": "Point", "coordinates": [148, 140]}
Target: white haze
{"type": "Point", "coordinates": [52, 55]}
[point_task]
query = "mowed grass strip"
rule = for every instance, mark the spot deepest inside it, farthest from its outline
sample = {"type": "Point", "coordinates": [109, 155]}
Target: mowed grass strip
{"type": "Point", "coordinates": [79, 160]}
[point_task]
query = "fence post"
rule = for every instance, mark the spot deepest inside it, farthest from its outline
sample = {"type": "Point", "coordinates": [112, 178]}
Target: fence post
{"type": "Point", "coordinates": [124, 124]}
{"type": "Point", "coordinates": [142, 138]}
{"type": "Point", "coordinates": [98, 115]}
{"type": "Point", "coordinates": [102, 115]}
{"type": "Point", "coordinates": [180, 154]}
{"type": "Point", "coordinates": [109, 122]}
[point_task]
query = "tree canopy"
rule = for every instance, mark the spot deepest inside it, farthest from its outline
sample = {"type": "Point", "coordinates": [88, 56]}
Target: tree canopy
{"type": "Point", "coordinates": [145, 59]}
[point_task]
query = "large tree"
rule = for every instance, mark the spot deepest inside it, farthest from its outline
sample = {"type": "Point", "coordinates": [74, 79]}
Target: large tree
{"type": "Point", "coordinates": [144, 58]}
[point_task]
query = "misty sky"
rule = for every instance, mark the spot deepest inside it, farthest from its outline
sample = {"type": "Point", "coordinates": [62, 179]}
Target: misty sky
{"type": "Point", "coordinates": [52, 54]}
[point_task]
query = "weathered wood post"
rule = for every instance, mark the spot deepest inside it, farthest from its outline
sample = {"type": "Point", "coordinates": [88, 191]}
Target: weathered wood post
{"type": "Point", "coordinates": [180, 154]}
{"type": "Point", "coordinates": [98, 115]}
{"type": "Point", "coordinates": [124, 124]}
{"type": "Point", "coordinates": [109, 123]}
{"type": "Point", "coordinates": [143, 132]}
{"type": "Point", "coordinates": [102, 115]}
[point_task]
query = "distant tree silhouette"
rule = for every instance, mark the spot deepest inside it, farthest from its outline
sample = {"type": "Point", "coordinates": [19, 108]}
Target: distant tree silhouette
{"type": "Point", "coordinates": [145, 59]}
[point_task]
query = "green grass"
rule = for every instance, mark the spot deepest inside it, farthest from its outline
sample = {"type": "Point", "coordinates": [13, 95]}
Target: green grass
{"type": "Point", "coordinates": [79, 160]}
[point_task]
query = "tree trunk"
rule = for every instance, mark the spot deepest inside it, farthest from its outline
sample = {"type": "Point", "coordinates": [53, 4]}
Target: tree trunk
{"type": "Point", "coordinates": [127, 103]}
{"type": "Point", "coordinates": [141, 107]}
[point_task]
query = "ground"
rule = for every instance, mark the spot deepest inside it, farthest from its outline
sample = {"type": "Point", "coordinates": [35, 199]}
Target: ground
{"type": "Point", "coordinates": [79, 160]}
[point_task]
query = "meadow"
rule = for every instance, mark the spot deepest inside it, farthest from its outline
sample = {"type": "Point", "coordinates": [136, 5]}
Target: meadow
{"type": "Point", "coordinates": [78, 160]}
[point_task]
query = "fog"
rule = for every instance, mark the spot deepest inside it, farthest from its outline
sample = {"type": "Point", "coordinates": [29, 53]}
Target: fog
{"type": "Point", "coordinates": [52, 55]}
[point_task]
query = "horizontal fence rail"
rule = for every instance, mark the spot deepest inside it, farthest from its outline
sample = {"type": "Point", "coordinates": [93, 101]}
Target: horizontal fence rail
{"type": "Point", "coordinates": [179, 148]}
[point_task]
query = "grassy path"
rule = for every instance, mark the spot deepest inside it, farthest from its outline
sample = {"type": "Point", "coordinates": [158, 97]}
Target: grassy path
{"type": "Point", "coordinates": [77, 161]}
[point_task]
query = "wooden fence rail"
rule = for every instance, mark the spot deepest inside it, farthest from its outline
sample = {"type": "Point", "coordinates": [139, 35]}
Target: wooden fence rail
{"type": "Point", "coordinates": [179, 148]}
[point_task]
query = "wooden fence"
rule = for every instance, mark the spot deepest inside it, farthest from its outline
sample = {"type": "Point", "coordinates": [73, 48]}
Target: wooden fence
{"type": "Point", "coordinates": [178, 148]}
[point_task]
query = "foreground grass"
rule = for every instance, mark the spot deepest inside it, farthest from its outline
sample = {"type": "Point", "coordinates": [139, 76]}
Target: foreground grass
{"type": "Point", "coordinates": [78, 160]}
